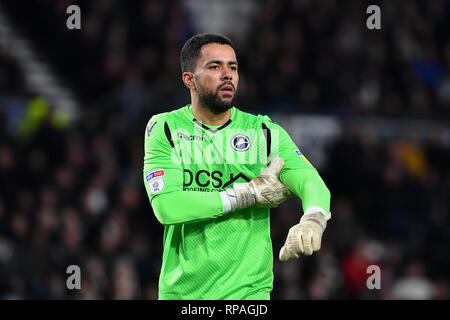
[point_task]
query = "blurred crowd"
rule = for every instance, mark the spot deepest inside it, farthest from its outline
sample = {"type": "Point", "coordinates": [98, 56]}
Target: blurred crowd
{"type": "Point", "coordinates": [390, 209]}
{"type": "Point", "coordinates": [73, 194]}
{"type": "Point", "coordinates": [318, 56]}
{"type": "Point", "coordinates": [299, 56]}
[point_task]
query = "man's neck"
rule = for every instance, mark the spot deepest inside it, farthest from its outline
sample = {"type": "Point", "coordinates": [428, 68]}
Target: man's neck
{"type": "Point", "coordinates": [206, 116]}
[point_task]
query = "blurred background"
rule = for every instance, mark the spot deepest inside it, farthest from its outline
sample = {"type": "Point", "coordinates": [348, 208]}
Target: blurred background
{"type": "Point", "coordinates": [369, 108]}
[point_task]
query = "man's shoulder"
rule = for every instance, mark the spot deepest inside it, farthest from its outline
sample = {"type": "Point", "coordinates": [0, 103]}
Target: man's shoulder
{"type": "Point", "coordinates": [253, 117]}
{"type": "Point", "coordinates": [159, 122]}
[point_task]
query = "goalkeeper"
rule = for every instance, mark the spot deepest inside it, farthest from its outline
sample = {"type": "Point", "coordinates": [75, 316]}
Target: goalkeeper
{"type": "Point", "coordinates": [212, 172]}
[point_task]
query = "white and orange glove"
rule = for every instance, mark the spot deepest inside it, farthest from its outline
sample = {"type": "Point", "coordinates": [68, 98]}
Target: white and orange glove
{"type": "Point", "coordinates": [265, 190]}
{"type": "Point", "coordinates": [306, 236]}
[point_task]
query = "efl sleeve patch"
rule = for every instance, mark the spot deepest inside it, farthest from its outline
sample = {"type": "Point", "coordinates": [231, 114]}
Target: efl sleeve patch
{"type": "Point", "coordinates": [301, 155]}
{"type": "Point", "coordinates": [155, 180]}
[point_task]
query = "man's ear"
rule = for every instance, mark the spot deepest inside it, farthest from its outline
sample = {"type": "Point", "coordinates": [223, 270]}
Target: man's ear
{"type": "Point", "coordinates": [188, 79]}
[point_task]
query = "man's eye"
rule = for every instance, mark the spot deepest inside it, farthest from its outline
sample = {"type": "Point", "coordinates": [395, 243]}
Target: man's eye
{"type": "Point", "coordinates": [233, 68]}
{"type": "Point", "coordinates": [214, 67]}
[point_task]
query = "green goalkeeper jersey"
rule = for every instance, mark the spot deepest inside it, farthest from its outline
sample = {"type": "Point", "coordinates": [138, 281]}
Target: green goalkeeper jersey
{"type": "Point", "coordinates": [210, 253]}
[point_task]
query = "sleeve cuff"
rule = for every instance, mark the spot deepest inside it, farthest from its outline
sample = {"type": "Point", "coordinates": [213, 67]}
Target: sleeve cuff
{"type": "Point", "coordinates": [225, 201]}
{"type": "Point", "coordinates": [314, 209]}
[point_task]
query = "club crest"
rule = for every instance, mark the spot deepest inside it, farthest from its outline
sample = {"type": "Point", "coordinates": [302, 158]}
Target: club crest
{"type": "Point", "coordinates": [240, 142]}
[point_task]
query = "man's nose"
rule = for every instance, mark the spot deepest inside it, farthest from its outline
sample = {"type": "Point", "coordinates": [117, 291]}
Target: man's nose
{"type": "Point", "coordinates": [227, 74]}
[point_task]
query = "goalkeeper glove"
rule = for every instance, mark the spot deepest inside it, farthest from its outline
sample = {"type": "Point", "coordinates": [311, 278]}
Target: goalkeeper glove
{"type": "Point", "coordinates": [305, 237]}
{"type": "Point", "coordinates": [266, 190]}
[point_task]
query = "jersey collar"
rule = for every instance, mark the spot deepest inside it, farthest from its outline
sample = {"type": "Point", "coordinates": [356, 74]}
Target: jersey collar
{"type": "Point", "coordinates": [212, 130]}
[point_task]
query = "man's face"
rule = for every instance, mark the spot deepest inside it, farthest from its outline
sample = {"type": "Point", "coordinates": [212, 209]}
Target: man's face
{"type": "Point", "coordinates": [216, 77]}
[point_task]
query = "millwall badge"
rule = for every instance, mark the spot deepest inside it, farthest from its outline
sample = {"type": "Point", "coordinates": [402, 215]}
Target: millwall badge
{"type": "Point", "coordinates": [240, 142]}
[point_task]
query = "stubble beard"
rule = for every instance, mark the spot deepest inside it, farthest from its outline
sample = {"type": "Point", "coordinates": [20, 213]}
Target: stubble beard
{"type": "Point", "coordinates": [213, 102]}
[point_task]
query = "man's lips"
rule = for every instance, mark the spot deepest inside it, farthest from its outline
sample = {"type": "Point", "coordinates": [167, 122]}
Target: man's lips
{"type": "Point", "coordinates": [227, 88]}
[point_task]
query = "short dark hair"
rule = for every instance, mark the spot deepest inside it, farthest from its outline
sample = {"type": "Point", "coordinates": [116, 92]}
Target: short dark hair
{"type": "Point", "coordinates": [190, 53]}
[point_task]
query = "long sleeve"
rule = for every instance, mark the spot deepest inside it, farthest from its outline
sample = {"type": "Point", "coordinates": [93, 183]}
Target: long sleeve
{"type": "Point", "coordinates": [187, 206]}
{"type": "Point", "coordinates": [163, 180]}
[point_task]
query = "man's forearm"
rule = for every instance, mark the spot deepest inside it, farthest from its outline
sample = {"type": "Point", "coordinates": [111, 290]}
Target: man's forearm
{"type": "Point", "coordinates": [265, 190]}
{"type": "Point", "coordinates": [187, 206]}
{"type": "Point", "coordinates": [307, 184]}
